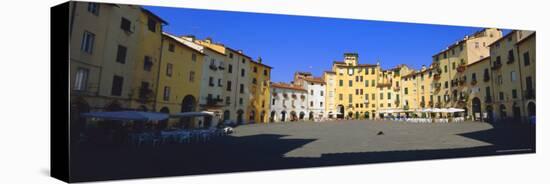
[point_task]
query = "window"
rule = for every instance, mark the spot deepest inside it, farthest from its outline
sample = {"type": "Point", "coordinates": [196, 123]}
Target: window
{"type": "Point", "coordinates": [389, 96]}
{"type": "Point", "coordinates": [526, 59]}
{"type": "Point", "coordinates": [243, 61]}
{"type": "Point", "coordinates": [230, 68]}
{"type": "Point", "coordinates": [320, 104]}
{"type": "Point", "coordinates": [341, 82]}
{"type": "Point", "coordinates": [406, 91]}
{"type": "Point", "coordinates": [514, 93]}
{"type": "Point", "coordinates": [93, 8]}
{"type": "Point", "coordinates": [166, 96]}
{"type": "Point", "coordinates": [477, 45]}
{"type": "Point", "coordinates": [125, 24]}
{"type": "Point", "coordinates": [81, 79]}
{"type": "Point", "coordinates": [255, 70]}
{"type": "Point", "coordinates": [240, 101]}
{"type": "Point", "coordinates": [373, 96]}
{"type": "Point", "coordinates": [191, 76]}
{"type": "Point", "coordinates": [445, 68]}
{"type": "Point", "coordinates": [311, 104]}
{"type": "Point", "coordinates": [322, 93]}
{"type": "Point", "coordinates": [220, 83]}
{"type": "Point", "coordinates": [227, 100]}
{"type": "Point", "coordinates": [87, 44]}
{"type": "Point", "coordinates": [372, 83]}
{"type": "Point", "coordinates": [147, 63]}
{"type": "Point", "coordinates": [265, 72]}
{"type": "Point", "coordinates": [242, 72]}
{"type": "Point", "coordinates": [446, 84]}
{"type": "Point", "coordinates": [211, 81]}
{"type": "Point", "coordinates": [169, 69]}
{"type": "Point", "coordinates": [474, 77]}
{"type": "Point", "coordinates": [172, 48]}
{"type": "Point", "coordinates": [340, 97]}
{"type": "Point", "coordinates": [350, 98]}
{"type": "Point", "coordinates": [513, 76]}
{"type": "Point", "coordinates": [116, 89]}
{"type": "Point", "coordinates": [501, 95]}
{"type": "Point", "coordinates": [273, 102]}
{"type": "Point", "coordinates": [366, 83]}
{"type": "Point", "coordinates": [152, 24]}
{"type": "Point", "coordinates": [350, 83]}
{"type": "Point", "coordinates": [381, 96]}
{"type": "Point", "coordinates": [228, 87]}
{"type": "Point", "coordinates": [241, 90]}
{"type": "Point", "coordinates": [121, 54]}
{"type": "Point", "coordinates": [311, 92]}
{"type": "Point", "coordinates": [454, 65]}
{"type": "Point", "coordinates": [510, 56]}
{"type": "Point", "coordinates": [193, 57]}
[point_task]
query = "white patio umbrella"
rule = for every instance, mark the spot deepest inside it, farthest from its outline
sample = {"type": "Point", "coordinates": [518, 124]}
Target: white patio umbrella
{"type": "Point", "coordinates": [192, 114]}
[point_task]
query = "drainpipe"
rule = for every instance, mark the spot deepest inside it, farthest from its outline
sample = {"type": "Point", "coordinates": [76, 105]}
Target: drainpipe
{"type": "Point", "coordinates": [159, 71]}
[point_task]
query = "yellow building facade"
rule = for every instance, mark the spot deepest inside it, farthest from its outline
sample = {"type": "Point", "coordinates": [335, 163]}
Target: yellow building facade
{"type": "Point", "coordinates": [258, 108]}
{"type": "Point", "coordinates": [450, 64]}
{"type": "Point", "coordinates": [480, 87]}
{"type": "Point", "coordinates": [355, 88]}
{"type": "Point", "coordinates": [144, 83]}
{"type": "Point", "coordinates": [179, 77]}
{"type": "Point", "coordinates": [510, 81]}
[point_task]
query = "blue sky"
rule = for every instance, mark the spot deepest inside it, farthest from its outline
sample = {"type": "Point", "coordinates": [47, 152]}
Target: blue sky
{"type": "Point", "coordinates": [299, 43]}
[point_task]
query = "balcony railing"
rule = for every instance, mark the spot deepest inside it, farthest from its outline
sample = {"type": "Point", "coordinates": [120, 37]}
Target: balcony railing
{"type": "Point", "coordinates": [437, 76]}
{"type": "Point", "coordinates": [213, 67]}
{"type": "Point", "coordinates": [461, 68]}
{"type": "Point", "coordinates": [496, 66]}
{"type": "Point", "coordinates": [213, 101]}
{"type": "Point", "coordinates": [486, 77]}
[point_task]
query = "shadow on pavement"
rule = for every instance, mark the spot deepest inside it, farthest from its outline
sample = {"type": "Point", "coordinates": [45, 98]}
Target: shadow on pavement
{"type": "Point", "coordinates": [266, 152]}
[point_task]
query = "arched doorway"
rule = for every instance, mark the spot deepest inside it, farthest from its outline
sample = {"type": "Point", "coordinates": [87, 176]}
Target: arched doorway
{"type": "Point", "coordinates": [356, 115]}
{"type": "Point", "coordinates": [252, 116]}
{"type": "Point", "coordinates": [293, 116]}
{"type": "Point", "coordinates": [240, 116]}
{"type": "Point", "coordinates": [367, 115]}
{"type": "Point", "coordinates": [476, 109]}
{"type": "Point", "coordinates": [188, 104]}
{"type": "Point", "coordinates": [262, 116]}
{"type": "Point", "coordinates": [531, 109]}
{"type": "Point", "coordinates": [340, 113]}
{"type": "Point", "coordinates": [164, 123]}
{"type": "Point", "coordinates": [302, 115]}
{"type": "Point", "coordinates": [311, 116]}
{"type": "Point", "coordinates": [272, 117]}
{"type": "Point", "coordinates": [226, 115]}
{"type": "Point", "coordinates": [350, 115]}
{"type": "Point", "coordinates": [283, 116]}
{"type": "Point", "coordinates": [516, 112]}
{"type": "Point", "coordinates": [502, 111]}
